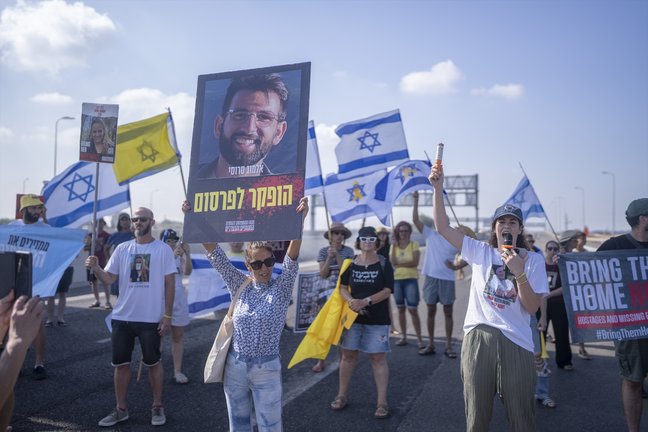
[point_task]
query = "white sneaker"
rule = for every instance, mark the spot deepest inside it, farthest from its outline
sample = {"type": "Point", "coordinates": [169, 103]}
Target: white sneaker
{"type": "Point", "coordinates": [157, 416]}
{"type": "Point", "coordinates": [113, 418]}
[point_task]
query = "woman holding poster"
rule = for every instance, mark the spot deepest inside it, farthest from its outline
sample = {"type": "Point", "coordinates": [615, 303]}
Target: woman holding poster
{"type": "Point", "coordinates": [253, 370]}
{"type": "Point", "coordinates": [497, 351]}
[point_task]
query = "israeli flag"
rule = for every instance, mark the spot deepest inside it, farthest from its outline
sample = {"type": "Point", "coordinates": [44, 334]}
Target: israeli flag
{"type": "Point", "coordinates": [525, 198]}
{"type": "Point", "coordinates": [207, 291]}
{"type": "Point", "coordinates": [350, 198]}
{"type": "Point", "coordinates": [52, 249]}
{"type": "Point", "coordinates": [70, 195]}
{"type": "Point", "coordinates": [407, 177]}
{"type": "Point", "coordinates": [314, 183]}
{"type": "Point", "coordinates": [371, 144]}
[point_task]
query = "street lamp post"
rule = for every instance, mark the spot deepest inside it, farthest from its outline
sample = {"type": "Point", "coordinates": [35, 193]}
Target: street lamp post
{"type": "Point", "coordinates": [24, 183]}
{"type": "Point", "coordinates": [613, 197]}
{"type": "Point", "coordinates": [580, 188]}
{"type": "Point", "coordinates": [561, 210]}
{"type": "Point", "coordinates": [56, 138]}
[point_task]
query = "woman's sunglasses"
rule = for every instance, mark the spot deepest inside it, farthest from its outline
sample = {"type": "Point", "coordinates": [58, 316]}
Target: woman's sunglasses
{"type": "Point", "coordinates": [553, 249]}
{"type": "Point", "coordinates": [268, 262]}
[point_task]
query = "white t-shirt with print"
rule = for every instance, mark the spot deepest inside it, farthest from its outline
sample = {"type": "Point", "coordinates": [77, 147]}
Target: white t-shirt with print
{"type": "Point", "coordinates": [141, 269]}
{"type": "Point", "coordinates": [437, 251]}
{"type": "Point", "coordinates": [493, 300]}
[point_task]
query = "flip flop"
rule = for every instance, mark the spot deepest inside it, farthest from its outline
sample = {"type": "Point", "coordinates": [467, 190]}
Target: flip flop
{"type": "Point", "coordinates": [450, 353]}
{"type": "Point", "coordinates": [339, 403]}
{"type": "Point", "coordinates": [319, 367]}
{"type": "Point", "coordinates": [382, 411]}
{"type": "Point", "coordinates": [428, 350]}
{"type": "Point", "coordinates": [402, 342]}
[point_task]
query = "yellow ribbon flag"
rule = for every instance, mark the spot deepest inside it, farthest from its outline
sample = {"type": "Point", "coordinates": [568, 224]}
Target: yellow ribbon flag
{"type": "Point", "coordinates": [326, 329]}
{"type": "Point", "coordinates": [144, 148]}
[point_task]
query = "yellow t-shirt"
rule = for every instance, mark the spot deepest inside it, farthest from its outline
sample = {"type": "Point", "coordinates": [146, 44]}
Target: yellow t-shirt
{"type": "Point", "coordinates": [405, 255]}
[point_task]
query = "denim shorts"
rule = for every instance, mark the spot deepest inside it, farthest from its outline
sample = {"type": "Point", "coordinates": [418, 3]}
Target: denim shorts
{"type": "Point", "coordinates": [370, 339]}
{"type": "Point", "coordinates": [123, 341]}
{"type": "Point", "coordinates": [406, 290]}
{"type": "Point", "coordinates": [438, 291]}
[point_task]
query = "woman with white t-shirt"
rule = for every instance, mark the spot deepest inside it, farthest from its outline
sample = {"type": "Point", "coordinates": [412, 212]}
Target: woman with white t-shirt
{"type": "Point", "coordinates": [507, 287]}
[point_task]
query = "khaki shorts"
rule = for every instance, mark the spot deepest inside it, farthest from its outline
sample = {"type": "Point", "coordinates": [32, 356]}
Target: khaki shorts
{"type": "Point", "coordinates": [632, 356]}
{"type": "Point", "coordinates": [438, 291]}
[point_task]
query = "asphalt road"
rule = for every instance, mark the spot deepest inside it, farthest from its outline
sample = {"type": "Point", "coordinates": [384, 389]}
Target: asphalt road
{"type": "Point", "coordinates": [425, 393]}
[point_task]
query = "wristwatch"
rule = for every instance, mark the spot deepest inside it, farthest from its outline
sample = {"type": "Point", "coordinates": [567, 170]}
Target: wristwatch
{"type": "Point", "coordinates": [369, 301]}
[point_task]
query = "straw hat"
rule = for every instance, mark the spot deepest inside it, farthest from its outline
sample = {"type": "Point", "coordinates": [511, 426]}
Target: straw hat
{"type": "Point", "coordinates": [338, 226]}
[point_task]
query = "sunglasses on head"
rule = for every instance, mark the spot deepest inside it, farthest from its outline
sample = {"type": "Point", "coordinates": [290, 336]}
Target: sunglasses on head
{"type": "Point", "coordinates": [368, 239]}
{"type": "Point", "coordinates": [140, 219]}
{"type": "Point", "coordinates": [552, 248]}
{"type": "Point", "coordinates": [268, 262]}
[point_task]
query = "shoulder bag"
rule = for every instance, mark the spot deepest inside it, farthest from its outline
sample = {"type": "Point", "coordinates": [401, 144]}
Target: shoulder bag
{"type": "Point", "coordinates": [215, 366]}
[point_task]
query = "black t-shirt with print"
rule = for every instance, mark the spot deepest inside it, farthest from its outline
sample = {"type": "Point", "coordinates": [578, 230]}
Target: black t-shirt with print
{"type": "Point", "coordinates": [621, 242]}
{"type": "Point", "coordinates": [553, 278]}
{"type": "Point", "coordinates": [365, 281]}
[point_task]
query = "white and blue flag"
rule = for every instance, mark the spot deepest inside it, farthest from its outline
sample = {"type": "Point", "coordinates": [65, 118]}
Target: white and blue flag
{"type": "Point", "coordinates": [371, 144]}
{"type": "Point", "coordinates": [314, 183]}
{"type": "Point", "coordinates": [52, 249]}
{"type": "Point", "coordinates": [207, 291]}
{"type": "Point", "coordinates": [526, 199]}
{"type": "Point", "coordinates": [407, 177]}
{"type": "Point", "coordinates": [70, 195]}
{"type": "Point", "coordinates": [350, 198]}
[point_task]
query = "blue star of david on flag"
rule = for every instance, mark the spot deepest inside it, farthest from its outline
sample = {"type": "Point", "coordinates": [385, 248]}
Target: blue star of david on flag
{"type": "Point", "coordinates": [364, 138]}
{"type": "Point", "coordinates": [356, 192]}
{"type": "Point", "coordinates": [80, 187]}
{"type": "Point", "coordinates": [407, 171]}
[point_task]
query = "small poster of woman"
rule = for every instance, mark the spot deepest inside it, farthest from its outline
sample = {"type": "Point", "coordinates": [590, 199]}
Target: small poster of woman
{"type": "Point", "coordinates": [98, 132]}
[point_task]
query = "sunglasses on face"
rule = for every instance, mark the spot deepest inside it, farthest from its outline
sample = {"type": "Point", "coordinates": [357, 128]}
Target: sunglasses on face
{"type": "Point", "coordinates": [337, 232]}
{"type": "Point", "coordinates": [140, 219]}
{"type": "Point", "coordinates": [368, 239]}
{"type": "Point", "coordinates": [552, 248]}
{"type": "Point", "coordinates": [268, 262]}
{"type": "Point", "coordinates": [404, 231]}
{"type": "Point", "coordinates": [124, 219]}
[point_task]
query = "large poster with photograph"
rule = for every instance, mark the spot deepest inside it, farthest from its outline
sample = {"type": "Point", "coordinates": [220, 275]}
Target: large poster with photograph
{"type": "Point", "coordinates": [98, 132]}
{"type": "Point", "coordinates": [606, 294]}
{"type": "Point", "coordinates": [248, 155]}
{"type": "Point", "coordinates": [312, 294]}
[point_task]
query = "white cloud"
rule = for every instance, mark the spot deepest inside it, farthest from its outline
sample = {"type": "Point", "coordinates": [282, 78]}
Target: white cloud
{"type": "Point", "coordinates": [51, 98]}
{"type": "Point", "coordinates": [506, 91]}
{"type": "Point", "coordinates": [5, 133]}
{"type": "Point", "coordinates": [51, 36]}
{"type": "Point", "coordinates": [326, 142]}
{"type": "Point", "coordinates": [340, 74]}
{"type": "Point", "coordinates": [141, 103]}
{"type": "Point", "coordinates": [441, 79]}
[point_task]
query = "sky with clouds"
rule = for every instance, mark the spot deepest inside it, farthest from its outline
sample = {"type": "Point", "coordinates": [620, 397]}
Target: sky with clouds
{"type": "Point", "coordinates": [560, 87]}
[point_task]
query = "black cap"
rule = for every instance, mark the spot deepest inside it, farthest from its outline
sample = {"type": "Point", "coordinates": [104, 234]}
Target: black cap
{"type": "Point", "coordinates": [367, 232]}
{"type": "Point", "coordinates": [508, 210]}
{"type": "Point", "coordinates": [169, 234]}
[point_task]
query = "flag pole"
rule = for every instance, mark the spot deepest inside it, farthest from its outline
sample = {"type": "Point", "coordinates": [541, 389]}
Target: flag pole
{"type": "Point", "coordinates": [175, 141]}
{"type": "Point", "coordinates": [319, 165]}
{"type": "Point", "coordinates": [545, 213]}
{"type": "Point", "coordinates": [94, 211]}
{"type": "Point", "coordinates": [447, 199]}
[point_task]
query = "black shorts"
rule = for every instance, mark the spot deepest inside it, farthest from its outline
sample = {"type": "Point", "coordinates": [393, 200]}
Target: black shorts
{"type": "Point", "coordinates": [66, 280]}
{"type": "Point", "coordinates": [123, 341]}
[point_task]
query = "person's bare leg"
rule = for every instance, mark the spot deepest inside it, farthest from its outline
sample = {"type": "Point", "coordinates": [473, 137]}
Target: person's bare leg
{"type": "Point", "coordinates": [156, 379]}
{"type": "Point", "coordinates": [51, 305]}
{"type": "Point", "coordinates": [632, 403]}
{"type": "Point", "coordinates": [61, 306]}
{"type": "Point", "coordinates": [381, 376]}
{"type": "Point", "coordinates": [122, 377]}
{"type": "Point", "coordinates": [95, 291]}
{"type": "Point", "coordinates": [447, 311]}
{"type": "Point", "coordinates": [177, 348]}
{"type": "Point", "coordinates": [402, 323]}
{"type": "Point", "coordinates": [430, 322]}
{"type": "Point", "coordinates": [347, 366]}
{"type": "Point", "coordinates": [416, 323]}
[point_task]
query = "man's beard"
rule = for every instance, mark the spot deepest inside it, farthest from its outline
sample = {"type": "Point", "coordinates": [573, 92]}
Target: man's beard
{"type": "Point", "coordinates": [235, 157]}
{"type": "Point", "coordinates": [31, 217]}
{"type": "Point", "coordinates": [143, 231]}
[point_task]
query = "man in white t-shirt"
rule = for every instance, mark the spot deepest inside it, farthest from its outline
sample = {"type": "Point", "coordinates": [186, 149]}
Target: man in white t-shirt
{"type": "Point", "coordinates": [507, 286]}
{"type": "Point", "coordinates": [146, 269]}
{"type": "Point", "coordinates": [439, 285]}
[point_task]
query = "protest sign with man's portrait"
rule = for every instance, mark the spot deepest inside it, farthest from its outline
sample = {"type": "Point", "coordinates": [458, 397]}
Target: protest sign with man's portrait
{"type": "Point", "coordinates": [248, 155]}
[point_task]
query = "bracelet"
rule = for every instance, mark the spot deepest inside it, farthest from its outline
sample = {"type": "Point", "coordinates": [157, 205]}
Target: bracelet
{"type": "Point", "coordinates": [167, 316]}
{"type": "Point", "coordinates": [521, 275]}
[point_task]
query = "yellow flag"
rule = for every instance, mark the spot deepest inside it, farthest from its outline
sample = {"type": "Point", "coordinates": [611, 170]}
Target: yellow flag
{"type": "Point", "coordinates": [327, 327]}
{"type": "Point", "coordinates": [145, 148]}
